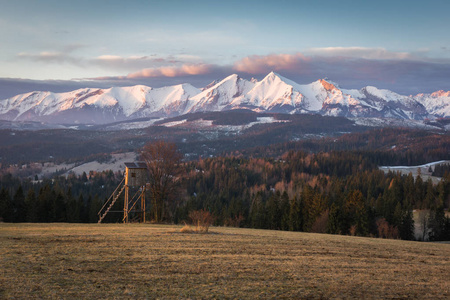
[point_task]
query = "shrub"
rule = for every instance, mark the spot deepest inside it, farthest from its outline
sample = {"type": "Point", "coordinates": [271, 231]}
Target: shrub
{"type": "Point", "coordinates": [234, 222]}
{"type": "Point", "coordinates": [385, 230]}
{"type": "Point", "coordinates": [320, 224]}
{"type": "Point", "coordinates": [201, 219]}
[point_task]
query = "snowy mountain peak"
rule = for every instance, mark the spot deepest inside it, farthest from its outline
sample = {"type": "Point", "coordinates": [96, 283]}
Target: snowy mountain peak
{"type": "Point", "coordinates": [385, 95]}
{"type": "Point", "coordinates": [274, 93]}
{"type": "Point", "coordinates": [219, 96]}
{"type": "Point", "coordinates": [273, 77]}
{"type": "Point", "coordinates": [440, 93]}
{"type": "Point", "coordinates": [328, 85]}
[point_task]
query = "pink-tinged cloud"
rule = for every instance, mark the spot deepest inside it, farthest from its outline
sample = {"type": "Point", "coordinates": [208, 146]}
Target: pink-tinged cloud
{"type": "Point", "coordinates": [258, 64]}
{"type": "Point", "coordinates": [350, 67]}
{"type": "Point", "coordinates": [172, 71]}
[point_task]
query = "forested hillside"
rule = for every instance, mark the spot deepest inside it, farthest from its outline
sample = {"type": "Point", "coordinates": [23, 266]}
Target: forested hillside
{"type": "Point", "coordinates": [340, 192]}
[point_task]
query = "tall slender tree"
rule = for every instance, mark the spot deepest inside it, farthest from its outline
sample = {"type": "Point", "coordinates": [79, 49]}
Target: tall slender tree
{"type": "Point", "coordinates": [20, 209]}
{"type": "Point", "coordinates": [163, 164]}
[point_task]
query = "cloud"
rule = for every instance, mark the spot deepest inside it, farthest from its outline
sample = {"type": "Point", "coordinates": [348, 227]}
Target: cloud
{"type": "Point", "coordinates": [361, 52]}
{"type": "Point", "coordinates": [351, 67]}
{"type": "Point", "coordinates": [134, 63]}
{"type": "Point", "coordinates": [50, 57]}
{"type": "Point", "coordinates": [167, 64]}
{"type": "Point", "coordinates": [173, 71]}
{"type": "Point", "coordinates": [257, 64]}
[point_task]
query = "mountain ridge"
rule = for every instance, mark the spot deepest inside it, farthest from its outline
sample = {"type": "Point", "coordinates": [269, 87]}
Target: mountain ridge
{"type": "Point", "coordinates": [274, 93]}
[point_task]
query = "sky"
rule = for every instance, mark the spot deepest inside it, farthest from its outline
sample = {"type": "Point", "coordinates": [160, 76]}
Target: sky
{"type": "Point", "coordinates": [62, 45]}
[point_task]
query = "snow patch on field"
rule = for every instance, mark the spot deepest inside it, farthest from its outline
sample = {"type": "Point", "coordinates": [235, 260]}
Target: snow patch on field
{"type": "Point", "coordinates": [174, 123]}
{"type": "Point", "coordinates": [432, 164]}
{"type": "Point", "coordinates": [117, 163]}
{"type": "Point", "coordinates": [382, 122]}
{"type": "Point", "coordinates": [261, 120]}
{"type": "Point", "coordinates": [49, 168]}
{"type": "Point", "coordinates": [414, 170]}
{"type": "Point", "coordinates": [134, 125]}
{"type": "Point", "coordinates": [202, 124]}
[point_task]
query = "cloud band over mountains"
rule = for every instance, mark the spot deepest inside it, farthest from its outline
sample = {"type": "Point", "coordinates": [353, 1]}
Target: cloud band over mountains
{"type": "Point", "coordinates": [351, 67]}
{"type": "Point", "coordinates": [336, 63]}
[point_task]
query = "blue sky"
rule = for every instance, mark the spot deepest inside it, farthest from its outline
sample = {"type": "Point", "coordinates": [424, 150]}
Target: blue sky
{"type": "Point", "coordinates": [57, 45]}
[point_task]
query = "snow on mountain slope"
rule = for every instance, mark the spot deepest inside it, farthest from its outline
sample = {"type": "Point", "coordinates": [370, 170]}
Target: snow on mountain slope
{"type": "Point", "coordinates": [219, 96]}
{"type": "Point", "coordinates": [168, 100]}
{"type": "Point", "coordinates": [47, 103]}
{"type": "Point", "coordinates": [274, 90]}
{"type": "Point", "coordinates": [274, 93]}
{"type": "Point", "coordinates": [386, 95]}
{"type": "Point", "coordinates": [437, 103]}
{"type": "Point", "coordinates": [118, 102]}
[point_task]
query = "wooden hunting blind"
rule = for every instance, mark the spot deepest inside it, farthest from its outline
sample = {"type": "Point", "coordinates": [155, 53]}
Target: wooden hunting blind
{"type": "Point", "coordinates": [135, 179]}
{"type": "Point", "coordinates": [135, 174]}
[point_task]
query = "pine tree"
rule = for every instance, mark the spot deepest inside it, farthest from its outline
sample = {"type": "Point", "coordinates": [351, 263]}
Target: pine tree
{"type": "Point", "coordinates": [20, 209]}
{"type": "Point", "coordinates": [430, 197]}
{"type": "Point", "coordinates": [6, 208]}
{"type": "Point", "coordinates": [334, 220]}
{"type": "Point", "coordinates": [295, 215]}
{"type": "Point", "coordinates": [58, 208]}
{"type": "Point", "coordinates": [397, 216]}
{"type": "Point", "coordinates": [85, 206]}
{"type": "Point", "coordinates": [95, 206]}
{"type": "Point", "coordinates": [274, 212]}
{"type": "Point", "coordinates": [258, 212]}
{"type": "Point", "coordinates": [437, 223]}
{"type": "Point", "coordinates": [355, 213]}
{"type": "Point", "coordinates": [406, 228]}
{"type": "Point", "coordinates": [284, 208]}
{"type": "Point", "coordinates": [44, 201]}
{"type": "Point", "coordinates": [73, 209]}
{"type": "Point", "coordinates": [32, 206]}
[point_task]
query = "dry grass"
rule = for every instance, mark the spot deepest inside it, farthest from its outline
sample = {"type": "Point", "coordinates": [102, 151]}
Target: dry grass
{"type": "Point", "coordinates": [150, 261]}
{"type": "Point", "coordinates": [187, 229]}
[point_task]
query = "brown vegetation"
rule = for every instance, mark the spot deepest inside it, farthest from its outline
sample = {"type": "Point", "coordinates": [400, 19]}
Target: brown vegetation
{"type": "Point", "coordinates": [153, 261]}
{"type": "Point", "coordinates": [201, 219]}
{"type": "Point", "coordinates": [385, 230]}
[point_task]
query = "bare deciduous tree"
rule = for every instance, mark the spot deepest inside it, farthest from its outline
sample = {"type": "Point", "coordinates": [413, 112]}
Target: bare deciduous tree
{"type": "Point", "coordinates": [163, 164]}
{"type": "Point", "coordinates": [424, 216]}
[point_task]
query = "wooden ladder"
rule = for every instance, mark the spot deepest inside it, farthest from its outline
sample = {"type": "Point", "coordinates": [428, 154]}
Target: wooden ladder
{"type": "Point", "coordinates": [112, 199]}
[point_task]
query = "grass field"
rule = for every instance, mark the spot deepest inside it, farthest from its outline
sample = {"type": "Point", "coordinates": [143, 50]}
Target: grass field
{"type": "Point", "coordinates": [150, 261]}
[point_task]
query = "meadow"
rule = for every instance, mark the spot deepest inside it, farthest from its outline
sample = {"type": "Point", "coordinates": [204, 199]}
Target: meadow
{"type": "Point", "coordinates": [120, 261]}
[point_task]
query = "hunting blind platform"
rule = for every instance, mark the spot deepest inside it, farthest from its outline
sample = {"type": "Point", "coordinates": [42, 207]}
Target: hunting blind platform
{"type": "Point", "coordinates": [135, 179]}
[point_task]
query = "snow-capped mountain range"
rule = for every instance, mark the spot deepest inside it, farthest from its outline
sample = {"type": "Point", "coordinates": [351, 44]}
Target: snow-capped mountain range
{"type": "Point", "coordinates": [274, 93]}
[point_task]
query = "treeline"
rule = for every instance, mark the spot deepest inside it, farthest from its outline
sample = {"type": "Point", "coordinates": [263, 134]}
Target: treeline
{"type": "Point", "coordinates": [387, 146]}
{"type": "Point", "coordinates": [63, 199]}
{"type": "Point", "coordinates": [441, 170]}
{"type": "Point", "coordinates": [49, 205]}
{"type": "Point", "coordinates": [336, 192]}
